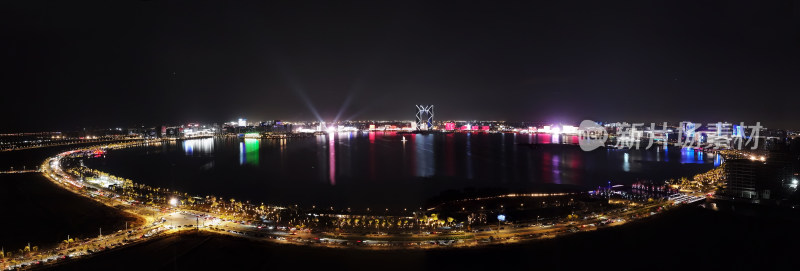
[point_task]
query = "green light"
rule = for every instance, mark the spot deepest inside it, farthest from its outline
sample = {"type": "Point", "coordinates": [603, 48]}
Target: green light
{"type": "Point", "coordinates": [251, 148]}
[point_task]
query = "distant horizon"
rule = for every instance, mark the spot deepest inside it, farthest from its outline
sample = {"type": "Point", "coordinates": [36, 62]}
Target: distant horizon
{"type": "Point", "coordinates": [254, 121]}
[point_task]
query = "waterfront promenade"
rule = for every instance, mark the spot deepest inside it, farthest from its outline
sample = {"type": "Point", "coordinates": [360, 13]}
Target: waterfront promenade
{"type": "Point", "coordinates": [168, 218]}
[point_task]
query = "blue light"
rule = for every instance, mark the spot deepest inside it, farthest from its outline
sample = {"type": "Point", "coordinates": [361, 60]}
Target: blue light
{"type": "Point", "coordinates": [501, 217]}
{"type": "Point", "coordinates": [689, 128]}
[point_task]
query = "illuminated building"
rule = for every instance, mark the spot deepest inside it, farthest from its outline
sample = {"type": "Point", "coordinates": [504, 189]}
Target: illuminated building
{"type": "Point", "coordinates": [424, 116]}
{"type": "Point", "coordinates": [722, 129]}
{"type": "Point", "coordinates": [569, 129]}
{"type": "Point", "coordinates": [450, 126]}
{"type": "Point", "coordinates": [759, 177]}
{"type": "Point", "coordinates": [738, 131]}
{"type": "Point", "coordinates": [741, 178]}
{"type": "Point", "coordinates": [719, 133]}
{"type": "Point", "coordinates": [687, 129]}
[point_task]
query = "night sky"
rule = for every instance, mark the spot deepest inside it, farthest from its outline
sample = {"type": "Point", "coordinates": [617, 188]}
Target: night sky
{"type": "Point", "coordinates": [123, 63]}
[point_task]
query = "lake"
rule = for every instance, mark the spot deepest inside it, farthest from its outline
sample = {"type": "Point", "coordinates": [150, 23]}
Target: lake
{"type": "Point", "coordinates": [389, 170]}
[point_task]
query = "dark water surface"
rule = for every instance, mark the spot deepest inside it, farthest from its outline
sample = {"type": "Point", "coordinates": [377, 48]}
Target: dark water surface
{"type": "Point", "coordinates": [39, 212]}
{"type": "Point", "coordinates": [33, 158]}
{"type": "Point", "coordinates": [381, 170]}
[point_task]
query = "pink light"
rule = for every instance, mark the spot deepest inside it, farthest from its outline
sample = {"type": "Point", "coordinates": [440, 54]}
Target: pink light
{"type": "Point", "coordinates": [450, 126]}
{"type": "Point", "coordinates": [485, 128]}
{"type": "Point", "coordinates": [332, 160]}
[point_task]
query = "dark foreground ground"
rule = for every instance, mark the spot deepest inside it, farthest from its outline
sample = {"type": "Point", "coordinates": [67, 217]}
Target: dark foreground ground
{"type": "Point", "coordinates": [32, 209]}
{"type": "Point", "coordinates": [687, 239]}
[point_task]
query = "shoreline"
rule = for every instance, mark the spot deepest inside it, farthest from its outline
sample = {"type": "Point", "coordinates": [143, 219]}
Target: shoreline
{"type": "Point", "coordinates": [530, 233]}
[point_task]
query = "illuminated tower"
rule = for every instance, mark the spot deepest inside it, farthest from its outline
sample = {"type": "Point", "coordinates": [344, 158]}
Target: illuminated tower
{"type": "Point", "coordinates": [424, 117]}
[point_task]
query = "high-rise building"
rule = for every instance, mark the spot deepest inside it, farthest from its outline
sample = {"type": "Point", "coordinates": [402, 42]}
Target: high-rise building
{"type": "Point", "coordinates": [741, 178]}
{"type": "Point", "coordinates": [760, 178]}
{"type": "Point", "coordinates": [424, 116]}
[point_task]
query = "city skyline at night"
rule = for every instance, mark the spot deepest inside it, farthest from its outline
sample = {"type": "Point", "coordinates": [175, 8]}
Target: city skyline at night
{"type": "Point", "coordinates": [279, 135]}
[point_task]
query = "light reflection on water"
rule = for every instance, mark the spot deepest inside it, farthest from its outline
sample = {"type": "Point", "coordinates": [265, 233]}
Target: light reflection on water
{"type": "Point", "coordinates": [424, 155]}
{"type": "Point", "coordinates": [377, 166]}
{"type": "Point", "coordinates": [425, 162]}
{"type": "Point", "coordinates": [332, 159]}
{"type": "Point", "coordinates": [626, 163]}
{"type": "Point", "coordinates": [198, 146]}
{"type": "Point", "coordinates": [469, 156]}
{"type": "Point", "coordinates": [248, 151]}
{"type": "Point", "coordinates": [556, 169]}
{"type": "Point", "coordinates": [692, 156]}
